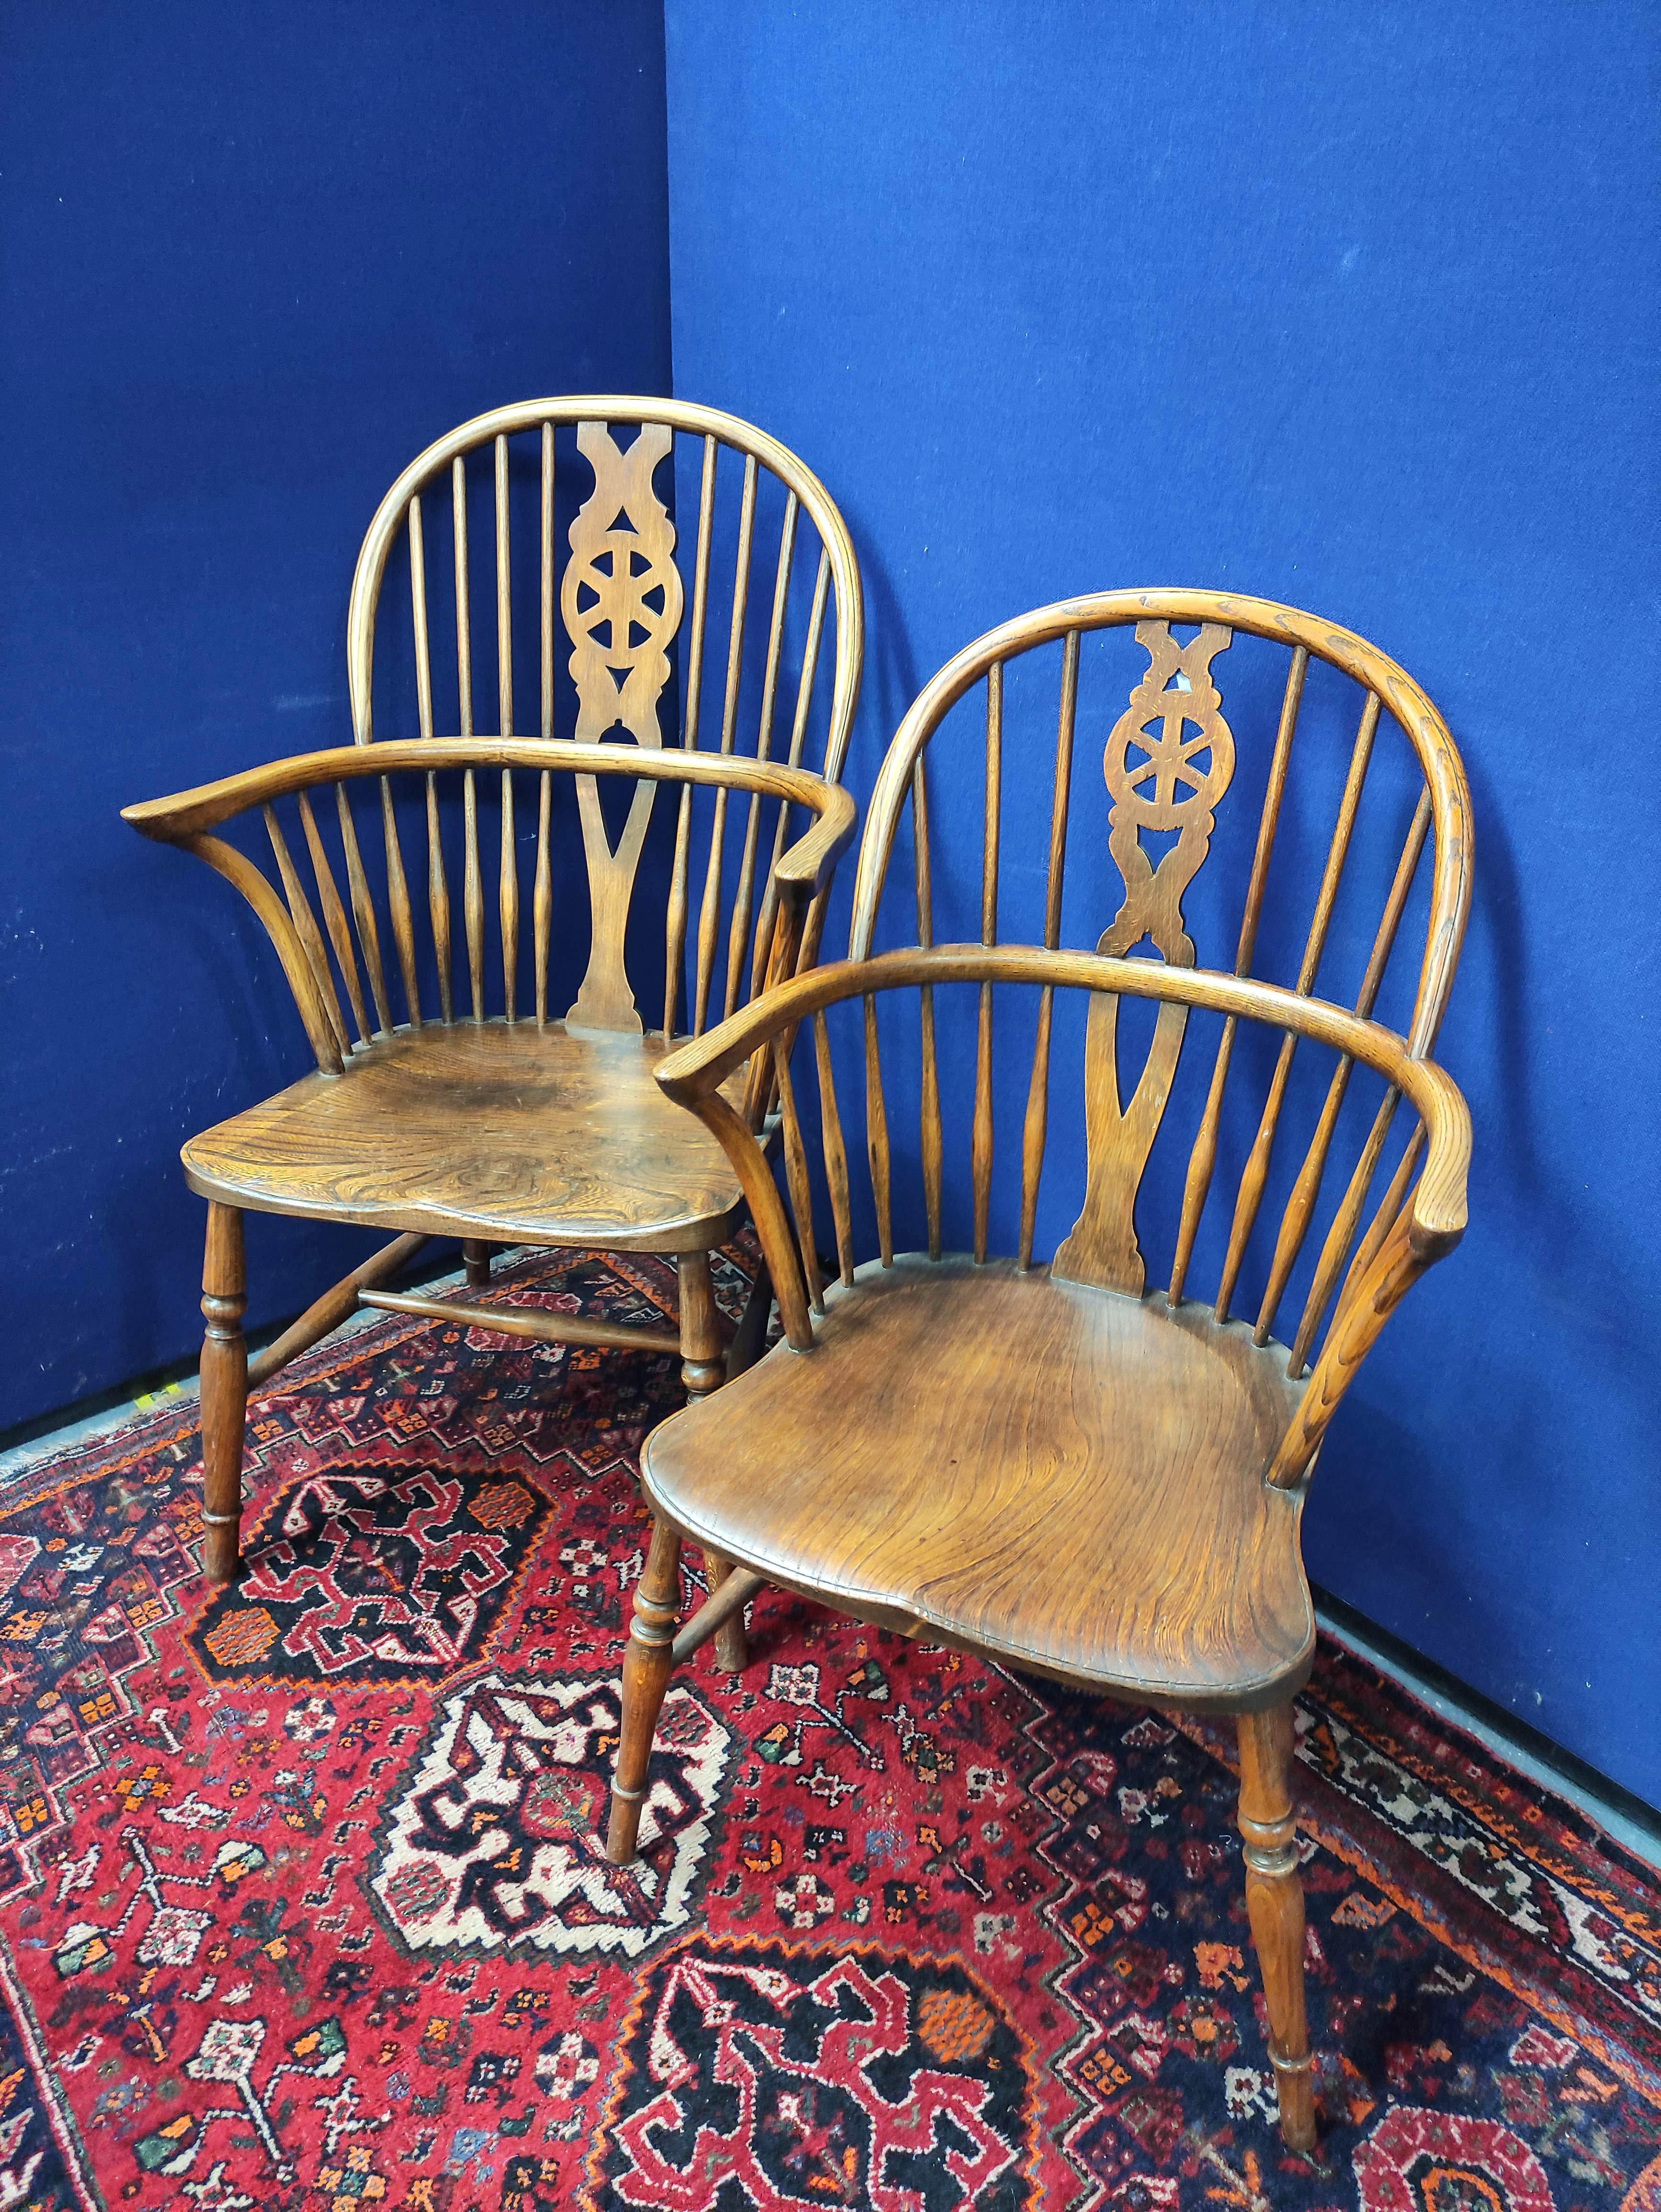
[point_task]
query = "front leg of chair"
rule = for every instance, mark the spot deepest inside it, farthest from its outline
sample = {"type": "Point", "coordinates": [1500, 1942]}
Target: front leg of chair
{"type": "Point", "coordinates": [1274, 1900]}
{"type": "Point", "coordinates": [647, 1662]}
{"type": "Point", "coordinates": [224, 1390]}
{"type": "Point", "coordinates": [703, 1370]}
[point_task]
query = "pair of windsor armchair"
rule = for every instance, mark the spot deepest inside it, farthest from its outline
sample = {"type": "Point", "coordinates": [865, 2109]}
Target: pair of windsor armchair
{"type": "Point", "coordinates": [1046, 1465]}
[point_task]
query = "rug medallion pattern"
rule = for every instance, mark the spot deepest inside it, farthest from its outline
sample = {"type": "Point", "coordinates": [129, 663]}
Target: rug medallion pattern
{"type": "Point", "coordinates": [302, 1903]}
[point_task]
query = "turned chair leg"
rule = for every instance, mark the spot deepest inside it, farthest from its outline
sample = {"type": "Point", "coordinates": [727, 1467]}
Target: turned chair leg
{"type": "Point", "coordinates": [1274, 1901]}
{"type": "Point", "coordinates": [224, 1390]}
{"type": "Point", "coordinates": [703, 1370]}
{"type": "Point", "coordinates": [647, 1662]}
{"type": "Point", "coordinates": [476, 1259]}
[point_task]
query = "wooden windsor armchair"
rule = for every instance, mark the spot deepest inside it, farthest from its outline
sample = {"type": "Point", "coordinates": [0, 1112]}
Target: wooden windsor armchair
{"type": "Point", "coordinates": [474, 1109]}
{"type": "Point", "coordinates": [1053, 1466]}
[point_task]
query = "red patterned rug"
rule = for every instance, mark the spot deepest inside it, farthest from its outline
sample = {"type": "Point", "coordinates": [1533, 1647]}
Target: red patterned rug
{"type": "Point", "coordinates": [302, 1906]}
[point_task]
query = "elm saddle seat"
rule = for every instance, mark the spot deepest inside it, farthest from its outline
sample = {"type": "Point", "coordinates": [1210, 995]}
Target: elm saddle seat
{"type": "Point", "coordinates": [515, 1132]}
{"type": "Point", "coordinates": [1090, 1432]}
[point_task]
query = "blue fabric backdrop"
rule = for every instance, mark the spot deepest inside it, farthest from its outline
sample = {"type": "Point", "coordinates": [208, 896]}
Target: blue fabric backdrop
{"type": "Point", "coordinates": [1355, 308]}
{"type": "Point", "coordinates": [254, 259]}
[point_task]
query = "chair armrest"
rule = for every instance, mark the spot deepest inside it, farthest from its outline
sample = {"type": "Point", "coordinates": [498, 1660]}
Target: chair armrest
{"type": "Point", "coordinates": [171, 820]}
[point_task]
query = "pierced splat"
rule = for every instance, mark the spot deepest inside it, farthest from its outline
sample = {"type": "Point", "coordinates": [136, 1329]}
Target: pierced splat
{"type": "Point", "coordinates": [1183, 759]}
{"type": "Point", "coordinates": [621, 600]}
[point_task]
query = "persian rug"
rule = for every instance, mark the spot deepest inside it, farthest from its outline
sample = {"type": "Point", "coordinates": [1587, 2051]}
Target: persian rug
{"type": "Point", "coordinates": [302, 1903]}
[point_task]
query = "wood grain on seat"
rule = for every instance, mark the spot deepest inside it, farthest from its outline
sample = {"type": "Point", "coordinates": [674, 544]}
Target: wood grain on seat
{"type": "Point", "coordinates": [504, 1130]}
{"type": "Point", "coordinates": [1065, 1476]}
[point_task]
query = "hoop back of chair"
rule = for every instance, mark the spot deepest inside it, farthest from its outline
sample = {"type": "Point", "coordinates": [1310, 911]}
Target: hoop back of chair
{"type": "Point", "coordinates": [1168, 762]}
{"type": "Point", "coordinates": [613, 609]}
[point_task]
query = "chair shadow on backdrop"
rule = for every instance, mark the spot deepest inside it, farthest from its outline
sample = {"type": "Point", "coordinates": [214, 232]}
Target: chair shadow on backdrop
{"type": "Point", "coordinates": [1055, 1464]}
{"type": "Point", "coordinates": [453, 1096]}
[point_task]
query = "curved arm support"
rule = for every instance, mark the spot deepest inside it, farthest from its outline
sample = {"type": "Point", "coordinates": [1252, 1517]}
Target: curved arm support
{"type": "Point", "coordinates": [778, 1247]}
{"type": "Point", "coordinates": [1403, 1257]}
{"type": "Point", "coordinates": [230, 863]}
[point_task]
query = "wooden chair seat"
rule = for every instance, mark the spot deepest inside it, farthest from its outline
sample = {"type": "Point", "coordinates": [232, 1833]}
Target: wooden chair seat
{"type": "Point", "coordinates": [1065, 1477]}
{"type": "Point", "coordinates": [510, 1131]}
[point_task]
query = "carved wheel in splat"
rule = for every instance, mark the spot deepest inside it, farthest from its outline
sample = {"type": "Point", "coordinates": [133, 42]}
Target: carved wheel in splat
{"type": "Point", "coordinates": [623, 545]}
{"type": "Point", "coordinates": [1175, 723]}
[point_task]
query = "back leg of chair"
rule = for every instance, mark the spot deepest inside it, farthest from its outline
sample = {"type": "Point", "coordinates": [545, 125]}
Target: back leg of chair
{"type": "Point", "coordinates": [647, 1662]}
{"type": "Point", "coordinates": [224, 1389]}
{"type": "Point", "coordinates": [746, 1349]}
{"type": "Point", "coordinates": [1274, 1900]}
{"type": "Point", "coordinates": [476, 1259]}
{"type": "Point", "coordinates": [703, 1370]}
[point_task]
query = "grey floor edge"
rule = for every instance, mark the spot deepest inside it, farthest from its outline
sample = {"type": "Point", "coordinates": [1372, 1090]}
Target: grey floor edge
{"type": "Point", "coordinates": [1626, 1832]}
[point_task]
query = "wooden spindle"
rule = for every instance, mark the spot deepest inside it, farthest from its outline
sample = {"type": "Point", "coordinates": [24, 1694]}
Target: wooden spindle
{"type": "Point", "coordinates": [836, 1154]}
{"type": "Point", "coordinates": [675, 918]}
{"type": "Point", "coordinates": [334, 915]}
{"type": "Point", "coordinates": [1301, 1206]}
{"type": "Point", "coordinates": [876, 1135]}
{"type": "Point", "coordinates": [993, 803]}
{"type": "Point", "coordinates": [738, 936]}
{"type": "Point", "coordinates": [547, 577]}
{"type": "Point", "coordinates": [798, 733]}
{"type": "Point", "coordinates": [932, 1140]}
{"type": "Point", "coordinates": [1256, 1175]}
{"type": "Point", "coordinates": [1341, 1235]}
{"type": "Point", "coordinates": [542, 903]}
{"type": "Point", "coordinates": [710, 913]}
{"type": "Point", "coordinates": [472, 894]}
{"type": "Point", "coordinates": [508, 864]}
{"type": "Point", "coordinates": [542, 907]}
{"type": "Point", "coordinates": [1384, 1220]}
{"type": "Point", "coordinates": [397, 901]}
{"type": "Point", "coordinates": [1035, 1129]}
{"type": "Point", "coordinates": [1202, 1160]}
{"type": "Point", "coordinates": [438, 900]}
{"type": "Point", "coordinates": [368, 936]}
{"type": "Point", "coordinates": [419, 608]}
{"type": "Point", "coordinates": [306, 928]}
{"type": "Point", "coordinates": [504, 597]}
{"type": "Point", "coordinates": [760, 1082]}
{"type": "Point", "coordinates": [508, 898]}
{"type": "Point", "coordinates": [464, 622]}
{"type": "Point", "coordinates": [675, 925]}
{"type": "Point", "coordinates": [981, 1145]}
{"type": "Point", "coordinates": [438, 896]}
{"type": "Point", "coordinates": [795, 1170]}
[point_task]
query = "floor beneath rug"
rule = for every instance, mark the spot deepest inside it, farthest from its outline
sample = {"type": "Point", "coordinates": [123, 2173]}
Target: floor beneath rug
{"type": "Point", "coordinates": [302, 1903]}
